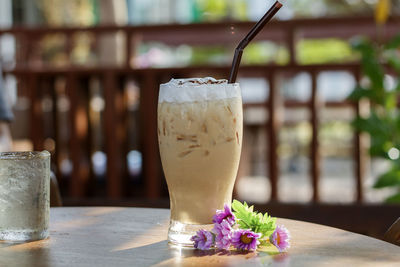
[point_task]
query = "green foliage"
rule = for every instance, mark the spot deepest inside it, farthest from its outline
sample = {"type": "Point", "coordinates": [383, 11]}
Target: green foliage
{"type": "Point", "coordinates": [265, 52]}
{"type": "Point", "coordinates": [393, 44]}
{"type": "Point", "coordinates": [394, 199]}
{"type": "Point", "coordinates": [317, 51]}
{"type": "Point", "coordinates": [256, 221]}
{"type": "Point", "coordinates": [383, 121]}
{"type": "Point", "coordinates": [212, 10]}
{"type": "Point", "coordinates": [256, 53]}
{"type": "Point", "coordinates": [390, 178]}
{"type": "Point", "coordinates": [202, 55]}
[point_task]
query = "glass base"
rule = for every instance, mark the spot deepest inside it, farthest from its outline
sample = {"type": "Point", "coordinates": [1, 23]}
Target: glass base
{"type": "Point", "coordinates": [23, 235]}
{"type": "Point", "coordinates": [180, 233]}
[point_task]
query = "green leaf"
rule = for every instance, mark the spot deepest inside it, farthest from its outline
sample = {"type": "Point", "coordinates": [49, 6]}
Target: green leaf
{"type": "Point", "coordinates": [267, 229]}
{"type": "Point", "coordinates": [381, 131]}
{"type": "Point", "coordinates": [390, 178]}
{"type": "Point", "coordinates": [394, 61]}
{"type": "Point", "coordinates": [397, 88]}
{"type": "Point", "coordinates": [393, 199]}
{"type": "Point", "coordinates": [373, 125]}
{"type": "Point", "coordinates": [390, 101]}
{"type": "Point", "coordinates": [394, 43]}
{"type": "Point", "coordinates": [370, 62]}
{"type": "Point", "coordinates": [242, 213]}
{"type": "Point", "coordinates": [249, 219]}
{"type": "Point", "coordinates": [362, 45]}
{"type": "Point", "coordinates": [374, 72]}
{"type": "Point", "coordinates": [360, 93]}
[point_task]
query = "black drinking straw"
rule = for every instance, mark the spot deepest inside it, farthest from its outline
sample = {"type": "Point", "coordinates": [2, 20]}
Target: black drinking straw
{"type": "Point", "coordinates": [253, 32]}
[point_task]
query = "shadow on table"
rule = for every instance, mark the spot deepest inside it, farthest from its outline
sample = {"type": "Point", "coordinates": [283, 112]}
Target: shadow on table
{"type": "Point", "coordinates": [163, 254]}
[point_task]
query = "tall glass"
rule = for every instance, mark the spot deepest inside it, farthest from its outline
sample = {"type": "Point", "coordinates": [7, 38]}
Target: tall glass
{"type": "Point", "coordinates": [200, 126]}
{"type": "Point", "coordinates": [24, 195]}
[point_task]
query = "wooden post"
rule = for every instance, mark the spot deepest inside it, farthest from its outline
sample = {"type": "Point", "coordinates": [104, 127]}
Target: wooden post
{"type": "Point", "coordinates": [315, 157]}
{"type": "Point", "coordinates": [121, 132]}
{"type": "Point", "coordinates": [128, 47]}
{"type": "Point", "coordinates": [79, 135]}
{"type": "Point", "coordinates": [22, 49]}
{"type": "Point", "coordinates": [273, 133]}
{"type": "Point", "coordinates": [114, 174]}
{"type": "Point", "coordinates": [148, 115]}
{"type": "Point", "coordinates": [291, 42]}
{"type": "Point", "coordinates": [56, 136]}
{"type": "Point", "coordinates": [69, 46]}
{"type": "Point", "coordinates": [75, 188]}
{"type": "Point", "coordinates": [360, 157]}
{"type": "Point", "coordinates": [360, 143]}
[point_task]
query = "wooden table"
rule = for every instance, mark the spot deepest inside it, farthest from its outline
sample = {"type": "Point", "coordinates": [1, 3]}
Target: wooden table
{"type": "Point", "coordinates": [137, 237]}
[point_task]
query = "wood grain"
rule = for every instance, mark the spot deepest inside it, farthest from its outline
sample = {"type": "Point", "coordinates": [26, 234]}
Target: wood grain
{"type": "Point", "coordinates": [137, 237]}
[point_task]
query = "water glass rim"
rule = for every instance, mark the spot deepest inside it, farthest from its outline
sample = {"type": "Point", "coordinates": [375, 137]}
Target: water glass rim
{"type": "Point", "coordinates": [24, 155]}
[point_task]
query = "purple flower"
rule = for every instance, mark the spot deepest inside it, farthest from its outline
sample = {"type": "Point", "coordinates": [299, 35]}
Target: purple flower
{"type": "Point", "coordinates": [203, 239]}
{"type": "Point", "coordinates": [223, 234]}
{"type": "Point", "coordinates": [280, 238]}
{"type": "Point", "coordinates": [245, 239]}
{"type": "Point", "coordinates": [225, 214]}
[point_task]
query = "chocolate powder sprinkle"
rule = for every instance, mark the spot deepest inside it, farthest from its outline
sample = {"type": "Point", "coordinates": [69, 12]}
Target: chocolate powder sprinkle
{"type": "Point", "coordinates": [204, 81]}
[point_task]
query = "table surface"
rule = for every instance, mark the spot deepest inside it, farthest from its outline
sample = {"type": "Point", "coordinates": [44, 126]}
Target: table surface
{"type": "Point", "coordinates": [114, 237]}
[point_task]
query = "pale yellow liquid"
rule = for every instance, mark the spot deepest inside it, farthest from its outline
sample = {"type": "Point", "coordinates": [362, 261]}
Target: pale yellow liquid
{"type": "Point", "coordinates": [200, 144]}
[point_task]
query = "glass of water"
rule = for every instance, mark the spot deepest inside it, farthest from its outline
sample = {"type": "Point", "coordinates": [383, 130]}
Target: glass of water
{"type": "Point", "coordinates": [24, 195]}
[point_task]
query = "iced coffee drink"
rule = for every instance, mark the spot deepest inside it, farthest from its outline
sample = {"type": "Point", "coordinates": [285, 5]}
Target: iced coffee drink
{"type": "Point", "coordinates": [200, 138]}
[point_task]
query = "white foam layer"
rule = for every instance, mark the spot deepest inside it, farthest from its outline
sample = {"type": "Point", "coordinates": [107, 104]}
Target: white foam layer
{"type": "Point", "coordinates": [197, 89]}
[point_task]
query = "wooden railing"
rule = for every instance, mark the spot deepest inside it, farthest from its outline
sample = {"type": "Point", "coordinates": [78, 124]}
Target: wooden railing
{"type": "Point", "coordinates": [367, 219]}
{"type": "Point", "coordinates": [148, 81]}
{"type": "Point", "coordinates": [34, 81]}
{"type": "Point", "coordinates": [226, 33]}
{"type": "Point", "coordinates": [33, 78]}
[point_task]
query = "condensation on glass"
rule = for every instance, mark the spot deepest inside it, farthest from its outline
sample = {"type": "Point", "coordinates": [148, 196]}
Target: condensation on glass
{"type": "Point", "coordinates": [24, 195]}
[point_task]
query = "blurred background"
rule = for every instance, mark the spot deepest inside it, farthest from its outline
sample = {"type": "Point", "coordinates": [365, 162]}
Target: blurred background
{"type": "Point", "coordinates": [82, 77]}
